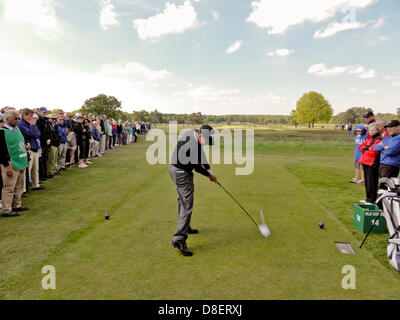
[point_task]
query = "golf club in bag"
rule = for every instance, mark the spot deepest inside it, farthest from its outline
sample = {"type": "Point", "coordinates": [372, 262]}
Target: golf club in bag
{"type": "Point", "coordinates": [389, 195]}
{"type": "Point", "coordinates": [262, 228]}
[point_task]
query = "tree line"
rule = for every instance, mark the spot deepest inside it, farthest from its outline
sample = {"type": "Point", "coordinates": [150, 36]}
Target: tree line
{"type": "Point", "coordinates": [311, 108]}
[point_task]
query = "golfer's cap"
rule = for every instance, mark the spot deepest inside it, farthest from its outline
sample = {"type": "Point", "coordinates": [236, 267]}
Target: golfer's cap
{"type": "Point", "coordinates": [368, 114]}
{"type": "Point", "coordinates": [207, 132]}
{"type": "Point", "coordinates": [52, 116]}
{"type": "Point", "coordinates": [43, 109]}
{"type": "Point", "coordinates": [393, 123]}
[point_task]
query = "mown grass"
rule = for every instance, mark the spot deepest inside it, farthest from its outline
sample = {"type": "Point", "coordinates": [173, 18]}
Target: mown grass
{"type": "Point", "coordinates": [300, 178]}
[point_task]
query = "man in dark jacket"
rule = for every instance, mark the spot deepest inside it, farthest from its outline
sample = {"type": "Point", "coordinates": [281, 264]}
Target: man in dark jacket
{"type": "Point", "coordinates": [188, 156]}
{"type": "Point", "coordinates": [45, 139]}
{"type": "Point", "coordinates": [31, 135]}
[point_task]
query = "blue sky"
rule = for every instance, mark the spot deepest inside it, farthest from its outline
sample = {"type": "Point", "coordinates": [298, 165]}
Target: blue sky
{"type": "Point", "coordinates": [214, 57]}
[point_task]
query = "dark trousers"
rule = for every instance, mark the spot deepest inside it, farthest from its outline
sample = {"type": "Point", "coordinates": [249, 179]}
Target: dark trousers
{"type": "Point", "coordinates": [82, 148]}
{"type": "Point", "coordinates": [1, 185]}
{"type": "Point", "coordinates": [43, 164]}
{"type": "Point", "coordinates": [371, 175]}
{"type": "Point", "coordinates": [388, 171]}
{"type": "Point", "coordinates": [27, 178]}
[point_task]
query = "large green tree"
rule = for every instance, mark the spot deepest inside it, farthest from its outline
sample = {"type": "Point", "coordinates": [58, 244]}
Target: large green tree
{"type": "Point", "coordinates": [312, 107]}
{"type": "Point", "coordinates": [102, 104]}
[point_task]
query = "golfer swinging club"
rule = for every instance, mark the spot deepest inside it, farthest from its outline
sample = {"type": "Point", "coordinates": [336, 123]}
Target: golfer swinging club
{"type": "Point", "coordinates": [189, 155]}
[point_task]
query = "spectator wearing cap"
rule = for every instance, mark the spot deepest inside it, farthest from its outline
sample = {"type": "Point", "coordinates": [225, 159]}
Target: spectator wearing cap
{"type": "Point", "coordinates": [96, 138]}
{"type": "Point", "coordinates": [14, 161]}
{"type": "Point", "coordinates": [54, 144]}
{"type": "Point", "coordinates": [63, 147]}
{"type": "Point", "coordinates": [45, 139]}
{"type": "Point", "coordinates": [88, 134]}
{"type": "Point", "coordinates": [389, 148]}
{"type": "Point", "coordinates": [359, 139]}
{"type": "Point", "coordinates": [370, 161]}
{"type": "Point", "coordinates": [31, 134]}
{"type": "Point", "coordinates": [80, 133]}
{"type": "Point", "coordinates": [369, 118]}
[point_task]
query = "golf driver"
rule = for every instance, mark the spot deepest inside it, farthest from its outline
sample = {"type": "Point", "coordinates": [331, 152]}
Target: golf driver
{"type": "Point", "coordinates": [263, 228]}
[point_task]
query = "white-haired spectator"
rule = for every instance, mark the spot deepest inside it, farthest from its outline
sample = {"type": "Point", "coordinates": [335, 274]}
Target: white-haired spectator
{"type": "Point", "coordinates": [14, 161]}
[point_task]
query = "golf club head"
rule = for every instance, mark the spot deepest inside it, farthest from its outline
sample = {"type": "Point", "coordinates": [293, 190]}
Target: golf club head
{"type": "Point", "coordinates": [264, 230]}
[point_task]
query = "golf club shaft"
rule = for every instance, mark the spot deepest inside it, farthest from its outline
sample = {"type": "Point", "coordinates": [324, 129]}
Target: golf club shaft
{"type": "Point", "coordinates": [370, 229]}
{"type": "Point", "coordinates": [237, 203]}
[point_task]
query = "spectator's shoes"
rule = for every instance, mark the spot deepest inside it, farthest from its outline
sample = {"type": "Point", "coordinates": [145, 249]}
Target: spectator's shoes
{"type": "Point", "coordinates": [24, 195]}
{"type": "Point", "coordinates": [361, 182]}
{"type": "Point", "coordinates": [20, 209]}
{"type": "Point", "coordinates": [181, 246]}
{"type": "Point", "coordinates": [39, 188]}
{"type": "Point", "coordinates": [193, 230]}
{"type": "Point", "coordinates": [10, 214]}
{"type": "Point", "coordinates": [353, 181]}
{"type": "Point", "coordinates": [82, 166]}
{"type": "Point", "coordinates": [50, 176]}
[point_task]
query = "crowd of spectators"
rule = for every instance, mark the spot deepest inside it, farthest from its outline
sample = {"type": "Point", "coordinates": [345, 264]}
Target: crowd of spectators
{"type": "Point", "coordinates": [36, 145]}
{"type": "Point", "coordinates": [378, 152]}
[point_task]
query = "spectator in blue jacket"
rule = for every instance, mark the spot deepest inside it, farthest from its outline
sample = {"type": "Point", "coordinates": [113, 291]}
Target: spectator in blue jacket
{"type": "Point", "coordinates": [390, 151]}
{"type": "Point", "coordinates": [360, 133]}
{"type": "Point", "coordinates": [31, 133]}
{"type": "Point", "coordinates": [61, 126]}
{"type": "Point", "coordinates": [96, 139]}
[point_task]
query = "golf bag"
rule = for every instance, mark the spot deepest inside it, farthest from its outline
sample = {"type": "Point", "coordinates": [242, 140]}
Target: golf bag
{"type": "Point", "coordinates": [389, 196]}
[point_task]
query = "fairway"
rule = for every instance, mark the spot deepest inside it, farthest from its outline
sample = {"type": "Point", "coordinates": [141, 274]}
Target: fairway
{"type": "Point", "coordinates": [300, 179]}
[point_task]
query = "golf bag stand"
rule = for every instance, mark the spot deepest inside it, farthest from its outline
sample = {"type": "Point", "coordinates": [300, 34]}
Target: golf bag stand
{"type": "Point", "coordinates": [389, 191]}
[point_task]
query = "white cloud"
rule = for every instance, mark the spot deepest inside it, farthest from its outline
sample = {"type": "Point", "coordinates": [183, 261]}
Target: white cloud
{"type": "Point", "coordinates": [207, 93]}
{"type": "Point", "coordinates": [215, 15]}
{"type": "Point", "coordinates": [269, 97]}
{"type": "Point", "coordinates": [396, 84]}
{"type": "Point", "coordinates": [39, 14]}
{"type": "Point", "coordinates": [372, 91]}
{"type": "Point", "coordinates": [279, 16]}
{"type": "Point", "coordinates": [46, 83]}
{"type": "Point", "coordinates": [335, 27]}
{"type": "Point", "coordinates": [234, 46]}
{"type": "Point", "coordinates": [320, 69]}
{"type": "Point", "coordinates": [134, 70]}
{"type": "Point", "coordinates": [280, 52]}
{"type": "Point", "coordinates": [174, 19]}
{"type": "Point", "coordinates": [379, 24]}
{"type": "Point", "coordinates": [107, 15]}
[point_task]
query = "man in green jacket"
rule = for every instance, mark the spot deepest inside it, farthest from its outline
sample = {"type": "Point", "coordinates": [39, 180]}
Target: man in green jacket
{"type": "Point", "coordinates": [13, 162]}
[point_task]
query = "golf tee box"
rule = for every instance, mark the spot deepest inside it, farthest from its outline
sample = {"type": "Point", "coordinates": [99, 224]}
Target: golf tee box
{"type": "Point", "coordinates": [364, 217]}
